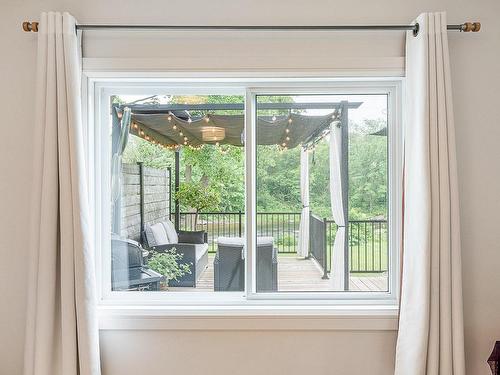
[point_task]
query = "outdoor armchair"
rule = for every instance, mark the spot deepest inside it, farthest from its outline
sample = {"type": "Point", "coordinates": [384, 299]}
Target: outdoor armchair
{"type": "Point", "coordinates": [229, 265]}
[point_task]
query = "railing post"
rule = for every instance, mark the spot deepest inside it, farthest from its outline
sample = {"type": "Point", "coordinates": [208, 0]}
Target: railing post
{"type": "Point", "coordinates": [176, 189]}
{"type": "Point", "coordinates": [240, 229]}
{"type": "Point", "coordinates": [141, 195]}
{"type": "Point", "coordinates": [325, 259]}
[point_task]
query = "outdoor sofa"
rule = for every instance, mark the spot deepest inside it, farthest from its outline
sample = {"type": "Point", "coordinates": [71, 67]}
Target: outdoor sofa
{"type": "Point", "coordinates": [192, 245]}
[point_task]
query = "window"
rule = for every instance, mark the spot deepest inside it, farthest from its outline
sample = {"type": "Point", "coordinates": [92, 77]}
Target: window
{"type": "Point", "coordinates": [222, 192]}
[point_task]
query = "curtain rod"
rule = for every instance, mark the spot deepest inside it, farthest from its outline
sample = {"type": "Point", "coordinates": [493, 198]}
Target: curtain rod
{"type": "Point", "coordinates": [463, 27]}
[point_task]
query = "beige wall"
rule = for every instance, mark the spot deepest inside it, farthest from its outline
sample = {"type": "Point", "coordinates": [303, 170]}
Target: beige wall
{"type": "Point", "coordinates": [476, 79]}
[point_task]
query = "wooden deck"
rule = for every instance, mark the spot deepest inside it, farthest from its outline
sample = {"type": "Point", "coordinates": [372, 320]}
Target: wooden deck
{"type": "Point", "coordinates": [297, 275]}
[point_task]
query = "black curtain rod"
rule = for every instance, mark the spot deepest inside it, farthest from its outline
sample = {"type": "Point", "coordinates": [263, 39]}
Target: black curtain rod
{"type": "Point", "coordinates": [465, 27]}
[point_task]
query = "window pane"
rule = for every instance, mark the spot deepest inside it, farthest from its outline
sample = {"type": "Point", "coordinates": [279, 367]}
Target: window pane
{"type": "Point", "coordinates": [313, 150]}
{"type": "Point", "coordinates": [192, 240]}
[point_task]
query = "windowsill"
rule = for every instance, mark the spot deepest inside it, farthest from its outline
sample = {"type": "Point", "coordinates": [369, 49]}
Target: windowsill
{"type": "Point", "coordinates": [281, 318]}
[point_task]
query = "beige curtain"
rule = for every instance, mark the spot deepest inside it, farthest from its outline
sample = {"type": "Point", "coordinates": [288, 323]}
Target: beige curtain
{"type": "Point", "coordinates": [62, 332]}
{"type": "Point", "coordinates": [430, 338]}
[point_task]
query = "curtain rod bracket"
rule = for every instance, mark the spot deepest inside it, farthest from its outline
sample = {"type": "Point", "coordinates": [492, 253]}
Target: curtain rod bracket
{"type": "Point", "coordinates": [416, 29]}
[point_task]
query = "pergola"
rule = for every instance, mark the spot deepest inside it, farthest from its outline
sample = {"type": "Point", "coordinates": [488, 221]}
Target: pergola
{"type": "Point", "coordinates": [173, 126]}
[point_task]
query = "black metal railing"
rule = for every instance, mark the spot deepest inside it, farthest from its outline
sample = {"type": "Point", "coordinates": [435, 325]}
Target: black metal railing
{"type": "Point", "coordinates": [283, 226]}
{"type": "Point", "coordinates": [318, 242]}
{"type": "Point", "coordinates": [368, 246]}
{"type": "Point", "coordinates": [368, 250]}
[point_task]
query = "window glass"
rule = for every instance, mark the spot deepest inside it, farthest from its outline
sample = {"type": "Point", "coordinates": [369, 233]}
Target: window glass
{"type": "Point", "coordinates": [322, 193]}
{"type": "Point", "coordinates": [177, 193]}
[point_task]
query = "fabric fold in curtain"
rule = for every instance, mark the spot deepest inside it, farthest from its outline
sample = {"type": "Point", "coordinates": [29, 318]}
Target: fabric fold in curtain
{"type": "Point", "coordinates": [430, 338]}
{"type": "Point", "coordinates": [62, 331]}
{"type": "Point", "coordinates": [303, 248]}
{"type": "Point", "coordinates": [335, 158]}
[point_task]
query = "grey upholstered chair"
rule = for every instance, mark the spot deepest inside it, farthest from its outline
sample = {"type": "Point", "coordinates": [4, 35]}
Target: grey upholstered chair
{"type": "Point", "coordinates": [229, 265]}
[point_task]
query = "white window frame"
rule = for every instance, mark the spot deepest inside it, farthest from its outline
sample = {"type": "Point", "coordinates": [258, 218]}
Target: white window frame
{"type": "Point", "coordinates": [98, 88]}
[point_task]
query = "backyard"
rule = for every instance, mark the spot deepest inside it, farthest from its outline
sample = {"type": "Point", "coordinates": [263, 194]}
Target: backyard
{"type": "Point", "coordinates": [210, 194]}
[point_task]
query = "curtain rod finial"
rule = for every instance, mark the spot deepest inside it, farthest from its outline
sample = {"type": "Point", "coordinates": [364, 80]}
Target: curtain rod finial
{"type": "Point", "coordinates": [30, 26]}
{"type": "Point", "coordinates": [471, 27]}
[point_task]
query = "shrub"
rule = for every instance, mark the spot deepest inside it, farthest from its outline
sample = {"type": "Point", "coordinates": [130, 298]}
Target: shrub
{"type": "Point", "coordinates": [169, 264]}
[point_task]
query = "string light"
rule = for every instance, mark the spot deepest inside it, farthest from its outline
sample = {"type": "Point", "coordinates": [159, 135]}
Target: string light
{"type": "Point", "coordinates": [135, 126]}
{"type": "Point", "coordinates": [174, 127]}
{"type": "Point", "coordinates": [290, 120]}
{"type": "Point", "coordinates": [287, 130]}
{"type": "Point", "coordinates": [287, 138]}
{"type": "Point", "coordinates": [169, 118]}
{"type": "Point", "coordinates": [207, 118]}
{"type": "Point", "coordinates": [189, 120]}
{"type": "Point", "coordinates": [181, 134]}
{"type": "Point", "coordinates": [274, 118]}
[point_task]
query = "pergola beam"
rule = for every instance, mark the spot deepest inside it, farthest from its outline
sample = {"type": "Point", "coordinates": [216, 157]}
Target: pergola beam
{"type": "Point", "coordinates": [166, 108]}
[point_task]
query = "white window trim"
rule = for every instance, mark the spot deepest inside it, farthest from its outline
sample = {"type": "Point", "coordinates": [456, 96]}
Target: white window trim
{"type": "Point", "coordinates": [147, 304]}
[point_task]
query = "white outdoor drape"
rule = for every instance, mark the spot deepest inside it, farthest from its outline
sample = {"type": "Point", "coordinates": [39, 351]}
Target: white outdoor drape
{"type": "Point", "coordinates": [430, 338]}
{"type": "Point", "coordinates": [335, 159]}
{"type": "Point", "coordinates": [303, 249]}
{"type": "Point", "coordinates": [62, 332]}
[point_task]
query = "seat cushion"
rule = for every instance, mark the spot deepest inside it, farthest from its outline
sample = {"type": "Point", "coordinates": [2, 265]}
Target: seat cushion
{"type": "Point", "coordinates": [265, 241]}
{"type": "Point", "coordinates": [170, 230]}
{"type": "Point", "coordinates": [200, 250]}
{"type": "Point", "coordinates": [240, 241]}
{"type": "Point", "coordinates": [231, 241]}
{"type": "Point", "coordinates": [156, 235]}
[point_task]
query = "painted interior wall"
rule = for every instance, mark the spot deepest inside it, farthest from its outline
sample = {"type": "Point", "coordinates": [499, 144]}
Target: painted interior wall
{"type": "Point", "coordinates": [476, 79]}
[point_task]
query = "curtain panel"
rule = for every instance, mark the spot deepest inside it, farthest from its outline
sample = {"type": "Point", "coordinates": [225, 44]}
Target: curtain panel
{"type": "Point", "coordinates": [62, 331]}
{"type": "Point", "coordinates": [430, 338]}
{"type": "Point", "coordinates": [335, 160]}
{"type": "Point", "coordinates": [303, 248]}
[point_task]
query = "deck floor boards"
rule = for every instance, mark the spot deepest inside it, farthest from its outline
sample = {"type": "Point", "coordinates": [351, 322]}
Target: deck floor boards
{"type": "Point", "coordinates": [299, 275]}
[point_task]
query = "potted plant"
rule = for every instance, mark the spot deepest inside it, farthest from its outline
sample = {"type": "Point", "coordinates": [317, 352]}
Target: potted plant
{"type": "Point", "coordinates": [169, 264]}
